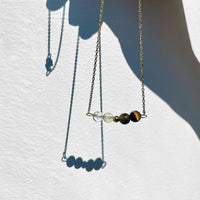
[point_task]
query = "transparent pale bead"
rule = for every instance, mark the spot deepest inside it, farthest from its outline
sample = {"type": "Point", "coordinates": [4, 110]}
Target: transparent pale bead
{"type": "Point", "coordinates": [97, 116]}
{"type": "Point", "coordinates": [108, 117]}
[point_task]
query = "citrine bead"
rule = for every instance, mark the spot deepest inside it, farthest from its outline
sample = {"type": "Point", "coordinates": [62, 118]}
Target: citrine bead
{"type": "Point", "coordinates": [108, 117]}
{"type": "Point", "coordinates": [124, 118]}
{"type": "Point", "coordinates": [135, 116]}
{"type": "Point", "coordinates": [116, 119]}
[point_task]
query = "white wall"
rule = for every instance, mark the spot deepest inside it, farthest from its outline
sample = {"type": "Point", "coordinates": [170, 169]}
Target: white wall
{"type": "Point", "coordinates": [155, 159]}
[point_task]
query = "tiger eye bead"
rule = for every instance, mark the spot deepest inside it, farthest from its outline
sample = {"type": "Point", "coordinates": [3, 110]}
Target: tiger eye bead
{"type": "Point", "coordinates": [135, 116]}
{"type": "Point", "coordinates": [124, 118]}
{"type": "Point", "coordinates": [116, 119]}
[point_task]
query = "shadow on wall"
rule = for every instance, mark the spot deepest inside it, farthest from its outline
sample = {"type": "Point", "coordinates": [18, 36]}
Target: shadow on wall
{"type": "Point", "coordinates": [171, 69]}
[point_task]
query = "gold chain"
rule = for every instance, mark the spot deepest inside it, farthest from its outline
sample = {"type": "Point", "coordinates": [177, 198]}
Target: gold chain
{"type": "Point", "coordinates": [141, 56]}
{"type": "Point", "coordinates": [96, 56]}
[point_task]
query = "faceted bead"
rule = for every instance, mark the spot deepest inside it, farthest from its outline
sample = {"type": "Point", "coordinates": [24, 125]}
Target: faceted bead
{"type": "Point", "coordinates": [90, 165]}
{"type": "Point", "coordinates": [135, 116]}
{"type": "Point", "coordinates": [70, 161]}
{"type": "Point", "coordinates": [98, 163]}
{"type": "Point", "coordinates": [78, 163]}
{"type": "Point", "coordinates": [116, 119]}
{"type": "Point", "coordinates": [97, 116]}
{"type": "Point", "coordinates": [124, 118]}
{"type": "Point", "coordinates": [108, 117]}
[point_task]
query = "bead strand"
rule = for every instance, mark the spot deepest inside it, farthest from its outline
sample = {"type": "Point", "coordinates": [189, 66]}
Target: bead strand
{"type": "Point", "coordinates": [124, 118]}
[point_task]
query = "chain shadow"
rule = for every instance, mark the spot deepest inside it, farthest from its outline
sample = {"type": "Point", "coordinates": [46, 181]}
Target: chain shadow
{"type": "Point", "coordinates": [171, 69]}
{"type": "Point", "coordinates": [71, 161]}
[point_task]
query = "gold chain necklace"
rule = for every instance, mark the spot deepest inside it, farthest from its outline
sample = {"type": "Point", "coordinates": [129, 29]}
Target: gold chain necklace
{"type": "Point", "coordinates": [124, 118]}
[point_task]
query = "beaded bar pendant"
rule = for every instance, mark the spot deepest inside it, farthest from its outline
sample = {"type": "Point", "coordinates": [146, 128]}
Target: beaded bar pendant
{"type": "Point", "coordinates": [124, 118]}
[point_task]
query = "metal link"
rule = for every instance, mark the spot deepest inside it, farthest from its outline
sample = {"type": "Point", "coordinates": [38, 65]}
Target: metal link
{"type": "Point", "coordinates": [96, 55]}
{"type": "Point", "coordinates": [141, 56]}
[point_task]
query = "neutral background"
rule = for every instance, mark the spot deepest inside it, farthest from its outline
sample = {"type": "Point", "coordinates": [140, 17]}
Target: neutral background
{"type": "Point", "coordinates": [155, 159]}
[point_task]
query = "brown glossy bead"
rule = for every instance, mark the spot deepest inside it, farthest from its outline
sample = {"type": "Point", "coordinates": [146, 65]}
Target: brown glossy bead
{"type": "Point", "coordinates": [116, 119]}
{"type": "Point", "coordinates": [124, 118]}
{"type": "Point", "coordinates": [135, 116]}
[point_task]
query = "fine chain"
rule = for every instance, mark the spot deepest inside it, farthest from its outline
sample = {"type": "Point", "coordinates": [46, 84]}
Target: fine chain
{"type": "Point", "coordinates": [49, 39]}
{"type": "Point", "coordinates": [141, 57]}
{"type": "Point", "coordinates": [96, 57]}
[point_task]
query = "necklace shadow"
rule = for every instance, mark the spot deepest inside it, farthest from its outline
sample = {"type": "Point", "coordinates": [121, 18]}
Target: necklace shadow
{"type": "Point", "coordinates": [171, 69]}
{"type": "Point", "coordinates": [89, 166]}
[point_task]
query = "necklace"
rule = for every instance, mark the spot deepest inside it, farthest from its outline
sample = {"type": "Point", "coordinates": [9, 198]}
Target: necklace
{"type": "Point", "coordinates": [49, 62]}
{"type": "Point", "coordinates": [124, 118]}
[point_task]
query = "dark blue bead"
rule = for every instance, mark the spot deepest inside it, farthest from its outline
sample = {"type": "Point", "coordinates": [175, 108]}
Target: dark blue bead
{"type": "Point", "coordinates": [70, 161]}
{"type": "Point", "coordinates": [78, 163]}
{"type": "Point", "coordinates": [84, 164]}
{"type": "Point", "coordinates": [98, 163]}
{"type": "Point", "coordinates": [90, 165]}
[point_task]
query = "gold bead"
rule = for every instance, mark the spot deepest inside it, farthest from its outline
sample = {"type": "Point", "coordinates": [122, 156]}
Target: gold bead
{"type": "Point", "coordinates": [116, 119]}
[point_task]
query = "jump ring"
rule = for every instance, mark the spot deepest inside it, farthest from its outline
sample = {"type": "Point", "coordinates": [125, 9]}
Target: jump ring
{"type": "Point", "coordinates": [143, 116]}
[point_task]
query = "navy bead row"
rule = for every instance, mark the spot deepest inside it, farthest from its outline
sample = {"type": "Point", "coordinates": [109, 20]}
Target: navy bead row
{"type": "Point", "coordinates": [89, 165]}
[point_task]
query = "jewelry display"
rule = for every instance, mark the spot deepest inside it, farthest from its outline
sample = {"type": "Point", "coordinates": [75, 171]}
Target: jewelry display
{"type": "Point", "coordinates": [98, 116]}
{"type": "Point", "coordinates": [124, 118]}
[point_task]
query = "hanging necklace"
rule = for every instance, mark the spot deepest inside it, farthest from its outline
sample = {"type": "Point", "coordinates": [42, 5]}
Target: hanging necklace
{"type": "Point", "coordinates": [124, 118]}
{"type": "Point", "coordinates": [49, 62]}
